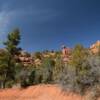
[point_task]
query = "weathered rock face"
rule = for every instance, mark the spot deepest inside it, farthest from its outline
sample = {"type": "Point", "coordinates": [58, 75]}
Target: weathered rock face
{"type": "Point", "coordinates": [66, 54]}
{"type": "Point", "coordinates": [25, 58]}
{"type": "Point", "coordinates": [28, 59]}
{"type": "Point", "coordinates": [95, 47]}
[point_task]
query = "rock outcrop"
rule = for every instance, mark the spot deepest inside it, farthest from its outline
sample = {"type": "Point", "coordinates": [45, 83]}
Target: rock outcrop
{"type": "Point", "coordinates": [95, 47]}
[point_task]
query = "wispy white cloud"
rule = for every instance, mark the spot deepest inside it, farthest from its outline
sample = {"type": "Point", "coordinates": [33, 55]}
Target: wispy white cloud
{"type": "Point", "coordinates": [35, 15]}
{"type": "Point", "coordinates": [28, 14]}
{"type": "Point", "coordinates": [4, 20]}
{"type": "Point", "coordinates": [7, 17]}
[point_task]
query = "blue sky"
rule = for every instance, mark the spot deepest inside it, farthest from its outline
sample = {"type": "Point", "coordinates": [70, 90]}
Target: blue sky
{"type": "Point", "coordinates": [47, 24]}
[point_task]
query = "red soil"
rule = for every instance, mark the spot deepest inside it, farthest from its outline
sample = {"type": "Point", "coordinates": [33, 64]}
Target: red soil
{"type": "Point", "coordinates": [39, 92]}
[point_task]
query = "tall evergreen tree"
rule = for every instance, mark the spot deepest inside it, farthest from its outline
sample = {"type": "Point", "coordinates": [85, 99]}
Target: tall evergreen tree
{"type": "Point", "coordinates": [8, 61]}
{"type": "Point", "coordinates": [13, 40]}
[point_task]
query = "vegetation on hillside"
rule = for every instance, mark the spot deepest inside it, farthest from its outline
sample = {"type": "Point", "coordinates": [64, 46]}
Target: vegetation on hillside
{"type": "Point", "coordinates": [80, 74]}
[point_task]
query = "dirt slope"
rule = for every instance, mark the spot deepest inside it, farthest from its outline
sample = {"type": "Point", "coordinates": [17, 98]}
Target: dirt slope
{"type": "Point", "coordinates": [39, 92]}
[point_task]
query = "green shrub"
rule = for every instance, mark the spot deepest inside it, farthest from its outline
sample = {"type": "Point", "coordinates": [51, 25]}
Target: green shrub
{"type": "Point", "coordinates": [58, 68]}
{"type": "Point", "coordinates": [82, 73]}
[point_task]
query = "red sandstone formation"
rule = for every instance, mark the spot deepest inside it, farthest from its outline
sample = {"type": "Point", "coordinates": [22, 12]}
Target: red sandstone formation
{"type": "Point", "coordinates": [65, 53]}
{"type": "Point", "coordinates": [95, 47]}
{"type": "Point", "coordinates": [25, 58]}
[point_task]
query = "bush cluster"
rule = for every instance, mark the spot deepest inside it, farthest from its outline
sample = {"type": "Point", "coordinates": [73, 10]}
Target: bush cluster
{"type": "Point", "coordinates": [82, 73]}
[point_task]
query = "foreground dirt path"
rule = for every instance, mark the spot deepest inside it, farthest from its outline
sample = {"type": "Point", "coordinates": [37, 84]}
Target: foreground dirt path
{"type": "Point", "coordinates": [39, 92]}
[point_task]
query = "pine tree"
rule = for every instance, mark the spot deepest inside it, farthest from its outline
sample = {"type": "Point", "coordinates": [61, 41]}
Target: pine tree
{"type": "Point", "coordinates": [9, 61]}
{"type": "Point", "coordinates": [13, 40]}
